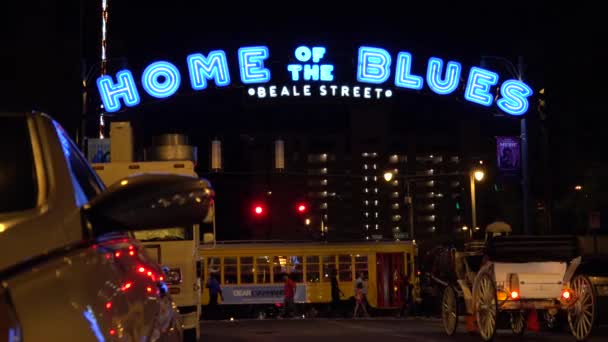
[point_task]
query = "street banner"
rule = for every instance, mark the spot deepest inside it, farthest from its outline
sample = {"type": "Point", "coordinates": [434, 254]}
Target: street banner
{"type": "Point", "coordinates": [508, 154]}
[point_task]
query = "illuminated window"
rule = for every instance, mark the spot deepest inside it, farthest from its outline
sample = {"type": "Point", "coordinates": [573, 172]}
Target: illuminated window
{"type": "Point", "coordinates": [282, 265]}
{"type": "Point", "coordinates": [365, 179]}
{"type": "Point", "coordinates": [262, 270]}
{"type": "Point", "coordinates": [396, 218]}
{"type": "Point", "coordinates": [324, 182]}
{"type": "Point", "coordinates": [328, 265]}
{"type": "Point", "coordinates": [394, 159]}
{"type": "Point", "coordinates": [395, 194]}
{"type": "Point", "coordinates": [395, 182]}
{"type": "Point", "coordinates": [345, 266]}
{"type": "Point", "coordinates": [246, 270]}
{"type": "Point", "coordinates": [367, 226]}
{"type": "Point", "coordinates": [376, 202]}
{"type": "Point", "coordinates": [366, 214]}
{"type": "Point", "coordinates": [376, 214]}
{"type": "Point", "coordinates": [374, 154]}
{"type": "Point", "coordinates": [364, 154]}
{"type": "Point", "coordinates": [377, 226]}
{"type": "Point", "coordinates": [395, 206]}
{"type": "Point", "coordinates": [375, 178]}
{"type": "Point", "coordinates": [312, 269]}
{"type": "Point", "coordinates": [361, 266]}
{"type": "Point", "coordinates": [376, 190]}
{"type": "Point", "coordinates": [323, 205]}
{"type": "Point", "coordinates": [324, 170]}
{"type": "Point", "coordinates": [366, 202]}
{"type": "Point", "coordinates": [230, 270]}
{"type": "Point", "coordinates": [366, 190]}
{"type": "Point", "coordinates": [365, 166]}
{"type": "Point", "coordinates": [375, 166]}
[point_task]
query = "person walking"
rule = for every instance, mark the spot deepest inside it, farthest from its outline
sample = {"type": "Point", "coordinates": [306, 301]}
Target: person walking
{"type": "Point", "coordinates": [215, 290]}
{"type": "Point", "coordinates": [289, 292]}
{"type": "Point", "coordinates": [360, 296]}
{"type": "Point", "coordinates": [336, 293]}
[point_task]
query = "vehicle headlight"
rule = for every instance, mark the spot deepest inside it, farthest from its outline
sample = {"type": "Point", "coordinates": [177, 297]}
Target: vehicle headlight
{"type": "Point", "coordinates": [174, 276]}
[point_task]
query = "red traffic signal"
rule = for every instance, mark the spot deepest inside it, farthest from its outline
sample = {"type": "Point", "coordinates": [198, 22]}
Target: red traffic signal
{"type": "Point", "coordinates": [258, 210]}
{"type": "Point", "coordinates": [301, 208]}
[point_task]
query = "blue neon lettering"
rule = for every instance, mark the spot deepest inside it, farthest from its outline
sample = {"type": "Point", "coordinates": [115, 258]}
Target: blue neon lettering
{"type": "Point", "coordinates": [311, 72]}
{"type": "Point", "coordinates": [514, 99]}
{"type": "Point", "coordinates": [373, 65]}
{"type": "Point", "coordinates": [303, 54]}
{"type": "Point", "coordinates": [124, 89]}
{"type": "Point", "coordinates": [403, 76]}
{"type": "Point", "coordinates": [154, 87]}
{"type": "Point", "coordinates": [295, 71]}
{"type": "Point", "coordinates": [214, 66]}
{"type": "Point", "coordinates": [434, 80]}
{"type": "Point", "coordinates": [327, 72]}
{"type": "Point", "coordinates": [251, 62]}
{"type": "Point", "coordinates": [478, 86]}
{"type": "Point", "coordinates": [317, 53]}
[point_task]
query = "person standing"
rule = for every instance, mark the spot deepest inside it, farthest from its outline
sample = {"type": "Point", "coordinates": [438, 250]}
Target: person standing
{"type": "Point", "coordinates": [289, 292]}
{"type": "Point", "coordinates": [336, 293]}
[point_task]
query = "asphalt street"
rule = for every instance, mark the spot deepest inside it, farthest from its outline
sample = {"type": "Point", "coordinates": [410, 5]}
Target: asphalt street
{"type": "Point", "coordinates": [375, 329]}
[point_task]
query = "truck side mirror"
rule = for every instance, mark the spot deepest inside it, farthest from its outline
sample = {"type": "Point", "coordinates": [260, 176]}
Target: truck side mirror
{"type": "Point", "coordinates": [149, 201]}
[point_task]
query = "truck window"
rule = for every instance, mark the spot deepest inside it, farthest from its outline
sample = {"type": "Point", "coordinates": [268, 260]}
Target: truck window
{"type": "Point", "coordinates": [18, 184]}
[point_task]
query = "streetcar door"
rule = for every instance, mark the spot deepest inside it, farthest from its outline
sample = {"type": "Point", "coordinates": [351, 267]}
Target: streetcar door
{"type": "Point", "coordinates": [389, 273]}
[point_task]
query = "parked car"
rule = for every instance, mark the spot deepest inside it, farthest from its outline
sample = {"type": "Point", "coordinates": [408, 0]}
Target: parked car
{"type": "Point", "coordinates": [70, 270]}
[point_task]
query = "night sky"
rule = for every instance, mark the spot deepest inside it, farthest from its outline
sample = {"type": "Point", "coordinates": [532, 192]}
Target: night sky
{"type": "Point", "coordinates": [563, 48]}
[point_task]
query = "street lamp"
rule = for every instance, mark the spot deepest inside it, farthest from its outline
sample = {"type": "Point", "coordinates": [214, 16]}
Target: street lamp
{"type": "Point", "coordinates": [474, 175]}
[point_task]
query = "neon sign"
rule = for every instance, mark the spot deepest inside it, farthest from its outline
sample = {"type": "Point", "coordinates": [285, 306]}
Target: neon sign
{"type": "Point", "coordinates": [311, 73]}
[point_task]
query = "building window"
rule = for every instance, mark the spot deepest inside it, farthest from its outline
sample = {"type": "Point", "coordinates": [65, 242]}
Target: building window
{"type": "Point", "coordinates": [395, 206]}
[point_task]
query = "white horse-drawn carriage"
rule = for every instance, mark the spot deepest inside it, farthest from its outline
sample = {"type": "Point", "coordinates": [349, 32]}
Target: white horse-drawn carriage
{"type": "Point", "coordinates": [514, 276]}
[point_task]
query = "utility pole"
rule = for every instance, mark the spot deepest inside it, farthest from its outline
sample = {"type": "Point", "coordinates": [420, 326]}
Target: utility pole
{"type": "Point", "coordinates": [525, 183]}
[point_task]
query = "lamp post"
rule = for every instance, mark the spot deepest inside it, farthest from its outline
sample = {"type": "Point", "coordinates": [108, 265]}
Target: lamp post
{"type": "Point", "coordinates": [517, 72]}
{"type": "Point", "coordinates": [475, 175]}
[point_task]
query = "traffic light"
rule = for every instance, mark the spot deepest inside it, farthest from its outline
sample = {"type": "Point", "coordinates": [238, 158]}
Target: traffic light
{"type": "Point", "coordinates": [301, 208]}
{"type": "Point", "coordinates": [259, 209]}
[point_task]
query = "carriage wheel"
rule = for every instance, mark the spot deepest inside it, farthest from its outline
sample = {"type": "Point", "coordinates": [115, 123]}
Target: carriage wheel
{"type": "Point", "coordinates": [449, 310]}
{"type": "Point", "coordinates": [518, 322]}
{"type": "Point", "coordinates": [484, 294]}
{"type": "Point", "coordinates": [581, 316]}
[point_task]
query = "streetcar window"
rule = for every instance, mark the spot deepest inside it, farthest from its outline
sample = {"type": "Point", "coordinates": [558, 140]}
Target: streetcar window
{"type": "Point", "coordinates": [329, 264]}
{"type": "Point", "coordinates": [214, 267]}
{"type": "Point", "coordinates": [361, 265]}
{"type": "Point", "coordinates": [312, 269]}
{"type": "Point", "coordinates": [291, 265]}
{"type": "Point", "coordinates": [262, 270]}
{"type": "Point", "coordinates": [345, 265]}
{"type": "Point", "coordinates": [230, 270]}
{"type": "Point", "coordinates": [247, 270]}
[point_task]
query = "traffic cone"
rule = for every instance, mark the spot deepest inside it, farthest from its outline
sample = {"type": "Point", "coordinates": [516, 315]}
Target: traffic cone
{"type": "Point", "coordinates": [471, 325]}
{"type": "Point", "coordinates": [533, 324]}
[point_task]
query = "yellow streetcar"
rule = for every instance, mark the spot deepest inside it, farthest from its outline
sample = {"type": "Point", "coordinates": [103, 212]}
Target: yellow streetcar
{"type": "Point", "coordinates": [251, 273]}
